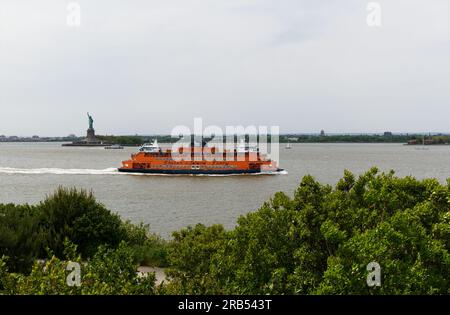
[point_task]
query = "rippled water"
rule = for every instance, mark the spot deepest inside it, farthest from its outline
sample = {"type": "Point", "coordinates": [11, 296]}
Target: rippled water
{"type": "Point", "coordinates": [28, 172]}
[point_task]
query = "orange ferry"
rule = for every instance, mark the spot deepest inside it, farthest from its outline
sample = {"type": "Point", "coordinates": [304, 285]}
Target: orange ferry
{"type": "Point", "coordinates": [198, 160]}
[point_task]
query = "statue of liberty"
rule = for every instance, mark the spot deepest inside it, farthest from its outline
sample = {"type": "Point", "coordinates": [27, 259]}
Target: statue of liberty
{"type": "Point", "coordinates": [91, 121]}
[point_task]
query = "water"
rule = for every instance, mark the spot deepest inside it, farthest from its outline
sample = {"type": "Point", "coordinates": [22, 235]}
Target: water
{"type": "Point", "coordinates": [29, 172]}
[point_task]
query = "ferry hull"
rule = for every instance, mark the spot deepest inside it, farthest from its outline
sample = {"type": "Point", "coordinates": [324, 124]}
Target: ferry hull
{"type": "Point", "coordinates": [195, 160]}
{"type": "Point", "coordinates": [193, 172]}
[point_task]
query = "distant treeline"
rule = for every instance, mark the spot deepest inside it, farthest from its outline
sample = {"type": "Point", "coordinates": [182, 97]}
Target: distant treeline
{"type": "Point", "coordinates": [136, 140]}
{"type": "Point", "coordinates": [124, 140]}
{"type": "Point", "coordinates": [391, 138]}
{"type": "Point", "coordinates": [298, 138]}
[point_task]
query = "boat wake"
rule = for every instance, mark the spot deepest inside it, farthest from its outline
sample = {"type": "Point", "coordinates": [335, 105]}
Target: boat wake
{"type": "Point", "coordinates": [109, 171]}
{"type": "Point", "coordinates": [58, 171]}
{"type": "Point", "coordinates": [283, 172]}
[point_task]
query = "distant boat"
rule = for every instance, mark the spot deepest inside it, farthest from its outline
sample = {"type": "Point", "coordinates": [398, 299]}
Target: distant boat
{"type": "Point", "coordinates": [150, 147]}
{"type": "Point", "coordinates": [114, 147]}
{"type": "Point", "coordinates": [288, 146]}
{"type": "Point", "coordinates": [423, 147]}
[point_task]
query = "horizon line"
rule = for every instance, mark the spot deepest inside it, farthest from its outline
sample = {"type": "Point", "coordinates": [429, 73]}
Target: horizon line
{"type": "Point", "coordinates": [433, 133]}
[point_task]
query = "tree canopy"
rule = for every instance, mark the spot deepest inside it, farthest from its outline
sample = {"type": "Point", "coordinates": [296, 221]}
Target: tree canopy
{"type": "Point", "coordinates": [319, 241]}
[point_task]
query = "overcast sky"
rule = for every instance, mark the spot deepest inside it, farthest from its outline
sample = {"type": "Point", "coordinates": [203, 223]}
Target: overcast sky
{"type": "Point", "coordinates": [147, 66]}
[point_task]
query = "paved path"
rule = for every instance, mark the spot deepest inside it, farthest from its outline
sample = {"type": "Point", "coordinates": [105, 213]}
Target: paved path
{"type": "Point", "coordinates": [159, 273]}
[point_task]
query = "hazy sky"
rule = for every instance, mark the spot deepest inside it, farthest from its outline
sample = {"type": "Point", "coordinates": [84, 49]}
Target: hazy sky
{"type": "Point", "coordinates": [146, 66]}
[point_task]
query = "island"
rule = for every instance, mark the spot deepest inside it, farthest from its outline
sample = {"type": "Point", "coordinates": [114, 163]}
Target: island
{"type": "Point", "coordinates": [90, 140]}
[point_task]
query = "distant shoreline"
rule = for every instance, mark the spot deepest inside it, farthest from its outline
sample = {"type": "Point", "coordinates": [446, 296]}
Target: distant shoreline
{"type": "Point", "coordinates": [136, 140]}
{"type": "Point", "coordinates": [137, 145]}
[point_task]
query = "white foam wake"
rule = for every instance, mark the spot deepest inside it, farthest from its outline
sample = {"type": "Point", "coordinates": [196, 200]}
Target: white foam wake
{"type": "Point", "coordinates": [111, 171]}
{"type": "Point", "coordinates": [58, 171]}
{"type": "Point", "coordinates": [283, 172]}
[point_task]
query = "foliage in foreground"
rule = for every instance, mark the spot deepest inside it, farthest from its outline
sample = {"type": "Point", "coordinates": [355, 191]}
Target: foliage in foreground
{"type": "Point", "coordinates": [110, 271]}
{"type": "Point", "coordinates": [35, 232]}
{"type": "Point", "coordinates": [318, 242]}
{"type": "Point", "coordinates": [321, 241]}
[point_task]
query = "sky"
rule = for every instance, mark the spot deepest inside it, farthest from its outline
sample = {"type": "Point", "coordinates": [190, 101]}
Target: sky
{"type": "Point", "coordinates": [147, 66]}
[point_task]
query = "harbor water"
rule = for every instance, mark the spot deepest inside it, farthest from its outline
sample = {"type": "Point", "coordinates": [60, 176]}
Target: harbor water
{"type": "Point", "coordinates": [31, 171]}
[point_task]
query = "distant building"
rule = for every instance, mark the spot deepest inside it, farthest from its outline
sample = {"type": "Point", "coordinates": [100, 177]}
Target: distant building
{"type": "Point", "coordinates": [322, 133]}
{"type": "Point", "coordinates": [35, 137]}
{"type": "Point", "coordinates": [388, 134]}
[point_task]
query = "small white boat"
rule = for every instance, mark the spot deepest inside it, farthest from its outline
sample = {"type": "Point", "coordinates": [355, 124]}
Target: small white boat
{"type": "Point", "coordinates": [423, 147]}
{"type": "Point", "coordinates": [150, 148]}
{"type": "Point", "coordinates": [244, 148]}
{"type": "Point", "coordinates": [114, 147]}
{"type": "Point", "coordinates": [288, 146]}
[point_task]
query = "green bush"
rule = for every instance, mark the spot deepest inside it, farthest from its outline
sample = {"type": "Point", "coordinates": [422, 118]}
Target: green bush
{"type": "Point", "coordinates": [21, 237]}
{"type": "Point", "coordinates": [109, 272]}
{"type": "Point", "coordinates": [76, 215]}
{"type": "Point", "coordinates": [191, 257]}
{"type": "Point", "coordinates": [318, 242]}
{"type": "Point", "coordinates": [148, 249]}
{"type": "Point", "coordinates": [28, 232]}
{"type": "Point", "coordinates": [321, 241]}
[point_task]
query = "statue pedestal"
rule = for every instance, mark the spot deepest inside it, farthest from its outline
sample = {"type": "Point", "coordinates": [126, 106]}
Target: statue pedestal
{"type": "Point", "coordinates": [90, 138]}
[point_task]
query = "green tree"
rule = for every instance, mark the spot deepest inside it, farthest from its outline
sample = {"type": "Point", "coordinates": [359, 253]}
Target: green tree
{"type": "Point", "coordinates": [20, 235]}
{"type": "Point", "coordinates": [109, 272]}
{"type": "Point", "coordinates": [321, 241]}
{"type": "Point", "coordinates": [76, 215]}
